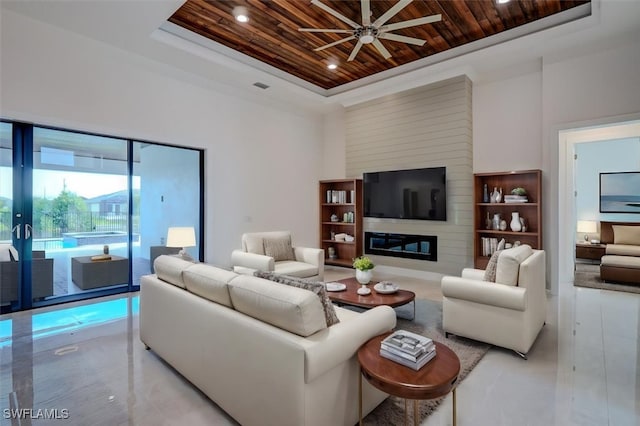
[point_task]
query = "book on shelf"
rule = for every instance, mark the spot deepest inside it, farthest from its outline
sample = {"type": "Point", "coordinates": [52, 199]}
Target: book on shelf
{"type": "Point", "coordinates": [408, 343]}
{"type": "Point", "coordinates": [415, 365]}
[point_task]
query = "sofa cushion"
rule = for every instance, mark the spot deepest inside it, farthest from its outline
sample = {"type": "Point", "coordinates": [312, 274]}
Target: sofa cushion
{"type": "Point", "coordinates": [623, 250]}
{"type": "Point", "coordinates": [626, 234]}
{"type": "Point", "coordinates": [631, 262]}
{"type": "Point", "coordinates": [169, 269]}
{"type": "Point", "coordinates": [292, 309]}
{"type": "Point", "coordinates": [509, 262]}
{"type": "Point", "coordinates": [279, 248]}
{"type": "Point", "coordinates": [318, 288]}
{"type": "Point", "coordinates": [209, 282]}
{"type": "Point", "coordinates": [295, 269]}
{"type": "Point", "coordinates": [492, 266]}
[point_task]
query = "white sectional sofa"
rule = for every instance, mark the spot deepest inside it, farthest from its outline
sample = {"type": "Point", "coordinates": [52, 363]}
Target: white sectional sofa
{"type": "Point", "coordinates": [261, 350]}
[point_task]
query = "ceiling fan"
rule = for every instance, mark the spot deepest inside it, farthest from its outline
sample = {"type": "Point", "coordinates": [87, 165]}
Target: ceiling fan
{"type": "Point", "coordinates": [370, 32]}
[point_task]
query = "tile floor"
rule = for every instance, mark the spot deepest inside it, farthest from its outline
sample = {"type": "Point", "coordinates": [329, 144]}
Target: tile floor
{"type": "Point", "coordinates": [86, 358]}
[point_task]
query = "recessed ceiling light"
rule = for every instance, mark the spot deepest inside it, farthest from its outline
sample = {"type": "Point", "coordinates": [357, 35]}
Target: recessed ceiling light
{"type": "Point", "coordinates": [241, 14]}
{"type": "Point", "coordinates": [332, 66]}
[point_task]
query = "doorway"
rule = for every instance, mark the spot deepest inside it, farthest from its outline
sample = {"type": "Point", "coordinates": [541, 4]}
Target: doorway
{"type": "Point", "coordinates": [569, 139]}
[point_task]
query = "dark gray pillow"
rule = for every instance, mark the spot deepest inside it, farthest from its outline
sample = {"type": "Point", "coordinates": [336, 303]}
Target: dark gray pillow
{"type": "Point", "coordinates": [316, 287]}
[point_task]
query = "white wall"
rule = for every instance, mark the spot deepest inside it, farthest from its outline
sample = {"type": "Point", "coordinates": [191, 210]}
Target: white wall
{"type": "Point", "coordinates": [262, 160]}
{"type": "Point", "coordinates": [507, 117]}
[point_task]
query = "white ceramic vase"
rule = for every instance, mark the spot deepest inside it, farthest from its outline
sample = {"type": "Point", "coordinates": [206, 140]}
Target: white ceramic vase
{"type": "Point", "coordinates": [363, 277]}
{"type": "Point", "coordinates": [515, 224]}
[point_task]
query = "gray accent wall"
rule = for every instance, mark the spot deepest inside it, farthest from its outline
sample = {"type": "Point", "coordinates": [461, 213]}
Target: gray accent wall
{"type": "Point", "coordinates": [430, 126]}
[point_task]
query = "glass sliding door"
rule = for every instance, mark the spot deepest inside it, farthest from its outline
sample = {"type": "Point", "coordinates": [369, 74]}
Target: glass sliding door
{"type": "Point", "coordinates": [85, 215]}
{"type": "Point", "coordinates": [167, 192]}
{"type": "Point", "coordinates": [9, 267]}
{"type": "Point", "coordinates": [80, 197]}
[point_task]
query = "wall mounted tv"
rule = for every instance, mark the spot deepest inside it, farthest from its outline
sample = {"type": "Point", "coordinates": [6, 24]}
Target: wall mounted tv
{"type": "Point", "coordinates": [406, 194]}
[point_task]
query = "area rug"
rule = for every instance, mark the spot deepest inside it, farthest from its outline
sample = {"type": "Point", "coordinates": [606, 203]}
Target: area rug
{"type": "Point", "coordinates": [428, 322]}
{"type": "Point", "coordinates": [588, 275]}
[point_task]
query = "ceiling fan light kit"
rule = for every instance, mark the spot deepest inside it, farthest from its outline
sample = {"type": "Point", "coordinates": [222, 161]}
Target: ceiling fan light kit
{"type": "Point", "coordinates": [371, 33]}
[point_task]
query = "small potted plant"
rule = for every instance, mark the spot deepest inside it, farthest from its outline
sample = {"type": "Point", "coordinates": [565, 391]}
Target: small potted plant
{"type": "Point", "coordinates": [363, 266]}
{"type": "Point", "coordinates": [519, 191]}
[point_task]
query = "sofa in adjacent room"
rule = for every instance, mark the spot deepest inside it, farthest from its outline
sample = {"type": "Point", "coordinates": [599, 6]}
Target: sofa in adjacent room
{"type": "Point", "coordinates": [621, 262]}
{"type": "Point", "coordinates": [261, 350]}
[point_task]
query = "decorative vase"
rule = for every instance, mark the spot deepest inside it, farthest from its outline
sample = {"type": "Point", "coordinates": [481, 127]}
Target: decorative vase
{"type": "Point", "coordinates": [503, 225]}
{"type": "Point", "coordinates": [523, 223]}
{"type": "Point", "coordinates": [363, 277]}
{"type": "Point", "coordinates": [488, 221]}
{"type": "Point", "coordinates": [494, 195]}
{"type": "Point", "coordinates": [485, 194]}
{"type": "Point", "coordinates": [515, 224]}
{"type": "Point", "coordinates": [499, 196]}
{"type": "Point", "coordinates": [496, 222]}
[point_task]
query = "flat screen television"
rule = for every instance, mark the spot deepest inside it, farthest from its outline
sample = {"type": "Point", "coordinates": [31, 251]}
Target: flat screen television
{"type": "Point", "coordinates": [406, 194]}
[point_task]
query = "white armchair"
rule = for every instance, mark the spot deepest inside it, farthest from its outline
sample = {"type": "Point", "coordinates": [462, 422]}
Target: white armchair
{"type": "Point", "coordinates": [273, 252]}
{"type": "Point", "coordinates": [509, 312]}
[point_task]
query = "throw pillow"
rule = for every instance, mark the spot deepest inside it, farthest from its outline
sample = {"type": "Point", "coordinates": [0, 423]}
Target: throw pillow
{"type": "Point", "coordinates": [501, 244]}
{"type": "Point", "coordinates": [279, 248]}
{"type": "Point", "coordinates": [254, 244]}
{"type": "Point", "coordinates": [316, 287]}
{"type": "Point", "coordinates": [626, 234]}
{"type": "Point", "coordinates": [492, 267]}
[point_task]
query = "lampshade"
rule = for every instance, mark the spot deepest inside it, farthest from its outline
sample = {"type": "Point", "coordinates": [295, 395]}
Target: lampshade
{"type": "Point", "coordinates": [587, 226]}
{"type": "Point", "coordinates": [181, 237]}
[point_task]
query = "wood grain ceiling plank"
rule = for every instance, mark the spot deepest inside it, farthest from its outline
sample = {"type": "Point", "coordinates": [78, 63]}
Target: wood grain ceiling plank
{"type": "Point", "coordinates": [272, 35]}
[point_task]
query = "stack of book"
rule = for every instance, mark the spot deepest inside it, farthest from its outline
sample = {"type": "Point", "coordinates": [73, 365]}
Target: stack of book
{"type": "Point", "coordinates": [515, 199]}
{"type": "Point", "coordinates": [407, 348]}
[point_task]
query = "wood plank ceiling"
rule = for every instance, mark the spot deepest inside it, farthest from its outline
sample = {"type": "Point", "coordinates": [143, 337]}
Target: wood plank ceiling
{"type": "Point", "coordinates": [272, 35]}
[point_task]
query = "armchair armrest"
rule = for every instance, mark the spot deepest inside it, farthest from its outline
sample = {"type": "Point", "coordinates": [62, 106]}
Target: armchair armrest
{"type": "Point", "coordinates": [258, 262]}
{"type": "Point", "coordinates": [332, 346]}
{"type": "Point", "coordinates": [313, 256]}
{"type": "Point", "coordinates": [485, 293]}
{"type": "Point", "coordinates": [473, 274]}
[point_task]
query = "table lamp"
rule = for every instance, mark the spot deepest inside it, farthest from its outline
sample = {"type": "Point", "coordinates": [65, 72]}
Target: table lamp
{"type": "Point", "coordinates": [587, 227]}
{"type": "Point", "coordinates": [182, 237]}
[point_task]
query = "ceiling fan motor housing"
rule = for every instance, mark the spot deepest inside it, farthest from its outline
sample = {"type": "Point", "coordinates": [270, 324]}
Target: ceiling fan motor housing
{"type": "Point", "coordinates": [366, 35]}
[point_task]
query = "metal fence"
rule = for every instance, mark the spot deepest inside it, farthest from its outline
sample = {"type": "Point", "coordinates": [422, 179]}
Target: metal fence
{"type": "Point", "coordinates": [45, 228]}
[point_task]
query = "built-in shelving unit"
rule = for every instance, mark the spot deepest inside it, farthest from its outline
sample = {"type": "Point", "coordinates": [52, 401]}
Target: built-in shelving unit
{"type": "Point", "coordinates": [341, 198]}
{"type": "Point", "coordinates": [531, 211]}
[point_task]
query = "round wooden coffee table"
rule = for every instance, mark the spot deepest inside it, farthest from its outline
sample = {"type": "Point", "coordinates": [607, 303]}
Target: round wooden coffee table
{"type": "Point", "coordinates": [349, 296]}
{"type": "Point", "coordinates": [437, 378]}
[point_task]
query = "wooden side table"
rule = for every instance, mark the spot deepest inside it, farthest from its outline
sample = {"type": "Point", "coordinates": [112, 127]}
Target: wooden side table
{"type": "Point", "coordinates": [437, 378]}
{"type": "Point", "coordinates": [590, 251]}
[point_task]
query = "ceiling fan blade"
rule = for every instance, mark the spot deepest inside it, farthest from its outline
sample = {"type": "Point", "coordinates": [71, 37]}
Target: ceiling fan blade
{"type": "Point", "coordinates": [355, 51]}
{"type": "Point", "coordinates": [412, 23]}
{"type": "Point", "coordinates": [317, 49]}
{"type": "Point", "coordinates": [391, 12]}
{"type": "Point", "coordinates": [366, 12]}
{"type": "Point", "coordinates": [335, 13]}
{"type": "Point", "coordinates": [383, 50]}
{"type": "Point", "coordinates": [401, 38]}
{"type": "Point", "coordinates": [324, 30]}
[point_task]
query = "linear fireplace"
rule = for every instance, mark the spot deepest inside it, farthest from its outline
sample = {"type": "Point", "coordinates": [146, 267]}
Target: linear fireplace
{"type": "Point", "coordinates": [422, 247]}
